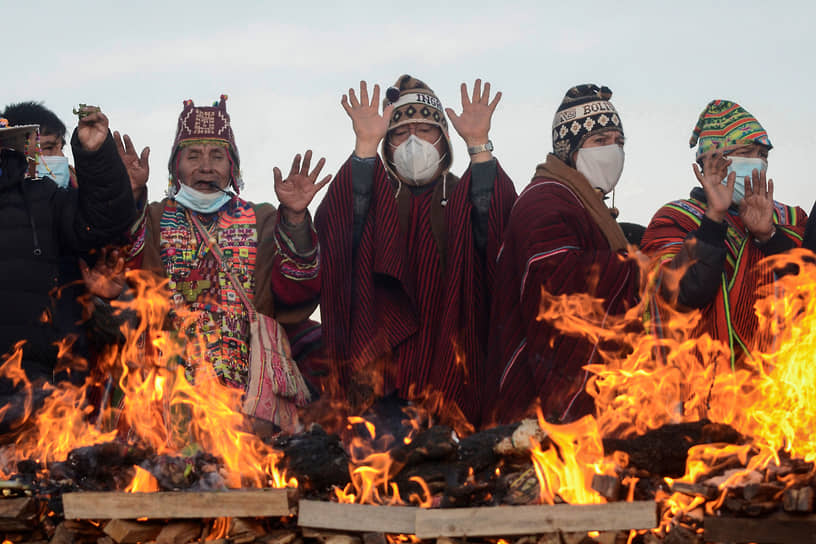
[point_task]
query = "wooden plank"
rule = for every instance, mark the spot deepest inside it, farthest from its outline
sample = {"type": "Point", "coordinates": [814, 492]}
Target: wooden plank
{"type": "Point", "coordinates": [528, 520]}
{"type": "Point", "coordinates": [364, 518]}
{"type": "Point", "coordinates": [176, 504]}
{"type": "Point", "coordinates": [131, 532]}
{"type": "Point", "coordinates": [18, 514]}
{"type": "Point", "coordinates": [781, 528]}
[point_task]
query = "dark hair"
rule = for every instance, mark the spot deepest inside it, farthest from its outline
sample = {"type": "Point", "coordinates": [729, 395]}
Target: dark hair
{"type": "Point", "coordinates": [34, 113]}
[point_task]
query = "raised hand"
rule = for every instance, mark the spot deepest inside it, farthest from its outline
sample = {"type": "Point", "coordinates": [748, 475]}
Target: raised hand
{"type": "Point", "coordinates": [92, 130]}
{"type": "Point", "coordinates": [718, 195]}
{"type": "Point", "coordinates": [107, 278]}
{"type": "Point", "coordinates": [756, 208]}
{"type": "Point", "coordinates": [299, 188]}
{"type": "Point", "coordinates": [473, 124]}
{"type": "Point", "coordinates": [137, 166]}
{"type": "Point", "coordinates": [369, 126]}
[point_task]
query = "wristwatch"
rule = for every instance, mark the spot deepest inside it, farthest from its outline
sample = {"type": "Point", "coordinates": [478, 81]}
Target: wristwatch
{"type": "Point", "coordinates": [479, 148]}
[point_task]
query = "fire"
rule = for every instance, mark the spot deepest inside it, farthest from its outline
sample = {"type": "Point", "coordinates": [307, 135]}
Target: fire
{"type": "Point", "coordinates": [565, 469]}
{"type": "Point", "coordinates": [160, 408]}
{"type": "Point", "coordinates": [143, 482]}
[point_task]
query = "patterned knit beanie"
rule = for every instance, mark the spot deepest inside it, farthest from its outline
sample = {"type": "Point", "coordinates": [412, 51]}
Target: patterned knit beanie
{"type": "Point", "coordinates": [585, 109]}
{"type": "Point", "coordinates": [205, 125]}
{"type": "Point", "coordinates": [415, 102]}
{"type": "Point", "coordinates": [725, 124]}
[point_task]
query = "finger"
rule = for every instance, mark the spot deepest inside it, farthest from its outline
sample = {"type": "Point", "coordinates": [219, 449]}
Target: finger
{"type": "Point", "coordinates": [375, 97]}
{"type": "Point", "coordinates": [117, 139]}
{"type": "Point", "coordinates": [363, 94]}
{"type": "Point", "coordinates": [495, 101]}
{"type": "Point", "coordinates": [316, 172]}
{"type": "Point", "coordinates": [145, 156]}
{"type": "Point", "coordinates": [323, 182]}
{"type": "Point", "coordinates": [750, 187]}
{"type": "Point", "coordinates": [697, 173]}
{"type": "Point", "coordinates": [731, 180]}
{"type": "Point", "coordinates": [387, 111]}
{"type": "Point", "coordinates": [477, 90]}
{"type": "Point", "coordinates": [353, 99]}
{"type": "Point", "coordinates": [120, 266]}
{"type": "Point", "coordinates": [763, 184]}
{"type": "Point", "coordinates": [464, 92]}
{"type": "Point", "coordinates": [770, 190]}
{"type": "Point", "coordinates": [295, 165]}
{"type": "Point", "coordinates": [129, 147]}
{"type": "Point", "coordinates": [452, 115]}
{"type": "Point", "coordinates": [485, 93]}
{"type": "Point", "coordinates": [345, 103]}
{"type": "Point", "coordinates": [307, 161]}
{"type": "Point", "coordinates": [276, 174]}
{"type": "Point", "coordinates": [83, 268]}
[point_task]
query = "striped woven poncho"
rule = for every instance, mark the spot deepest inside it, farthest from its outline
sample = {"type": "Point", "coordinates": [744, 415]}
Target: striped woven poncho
{"type": "Point", "coordinates": [392, 311]}
{"type": "Point", "coordinates": [729, 315]}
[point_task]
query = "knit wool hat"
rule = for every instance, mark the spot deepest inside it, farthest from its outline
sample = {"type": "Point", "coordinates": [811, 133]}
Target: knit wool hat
{"type": "Point", "coordinates": [724, 124]}
{"type": "Point", "coordinates": [205, 125]}
{"type": "Point", "coordinates": [415, 102]}
{"type": "Point", "coordinates": [585, 109]}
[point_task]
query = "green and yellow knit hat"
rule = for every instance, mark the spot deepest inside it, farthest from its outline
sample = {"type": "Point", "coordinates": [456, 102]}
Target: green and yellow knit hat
{"type": "Point", "coordinates": [724, 124]}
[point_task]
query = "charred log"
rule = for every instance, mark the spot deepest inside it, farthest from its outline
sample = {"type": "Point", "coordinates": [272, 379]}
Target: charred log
{"type": "Point", "coordinates": [664, 451]}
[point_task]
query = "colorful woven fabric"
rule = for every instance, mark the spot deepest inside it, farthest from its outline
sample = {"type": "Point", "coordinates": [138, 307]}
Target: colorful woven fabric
{"type": "Point", "coordinates": [585, 109]}
{"type": "Point", "coordinates": [196, 281]}
{"type": "Point", "coordinates": [724, 124]}
{"type": "Point", "coordinates": [730, 317]}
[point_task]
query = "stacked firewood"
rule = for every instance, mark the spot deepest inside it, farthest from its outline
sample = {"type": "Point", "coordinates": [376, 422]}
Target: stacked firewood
{"type": "Point", "coordinates": [488, 469]}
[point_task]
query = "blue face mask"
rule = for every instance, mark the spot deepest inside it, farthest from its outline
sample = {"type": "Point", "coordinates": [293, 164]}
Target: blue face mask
{"type": "Point", "coordinates": [201, 202]}
{"type": "Point", "coordinates": [743, 166]}
{"type": "Point", "coordinates": [56, 168]}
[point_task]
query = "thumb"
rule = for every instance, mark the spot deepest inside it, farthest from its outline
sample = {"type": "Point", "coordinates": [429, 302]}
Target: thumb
{"type": "Point", "coordinates": [276, 173]}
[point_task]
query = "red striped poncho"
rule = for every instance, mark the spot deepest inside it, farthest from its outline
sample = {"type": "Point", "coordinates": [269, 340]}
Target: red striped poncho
{"type": "Point", "coordinates": [390, 307]}
{"type": "Point", "coordinates": [552, 242]}
{"type": "Point", "coordinates": [730, 316]}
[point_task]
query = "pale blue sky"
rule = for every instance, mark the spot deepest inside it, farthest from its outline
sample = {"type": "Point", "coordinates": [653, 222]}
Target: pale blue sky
{"type": "Point", "coordinates": [285, 66]}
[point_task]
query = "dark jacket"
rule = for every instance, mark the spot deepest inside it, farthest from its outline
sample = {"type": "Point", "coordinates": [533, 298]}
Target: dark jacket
{"type": "Point", "coordinates": [41, 228]}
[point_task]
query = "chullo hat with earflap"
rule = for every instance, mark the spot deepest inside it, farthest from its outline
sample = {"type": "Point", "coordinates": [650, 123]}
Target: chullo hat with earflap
{"type": "Point", "coordinates": [205, 125]}
{"type": "Point", "coordinates": [415, 102]}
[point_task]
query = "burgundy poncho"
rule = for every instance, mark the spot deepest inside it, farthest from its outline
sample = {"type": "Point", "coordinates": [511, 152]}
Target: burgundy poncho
{"type": "Point", "coordinates": [412, 298]}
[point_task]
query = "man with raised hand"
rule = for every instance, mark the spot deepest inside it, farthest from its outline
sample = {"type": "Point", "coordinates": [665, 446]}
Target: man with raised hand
{"type": "Point", "coordinates": [719, 236]}
{"type": "Point", "coordinates": [203, 235]}
{"type": "Point", "coordinates": [40, 223]}
{"type": "Point", "coordinates": [409, 248]}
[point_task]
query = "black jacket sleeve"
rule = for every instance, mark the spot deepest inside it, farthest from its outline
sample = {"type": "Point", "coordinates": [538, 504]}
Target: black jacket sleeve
{"type": "Point", "coordinates": [704, 253]}
{"type": "Point", "coordinates": [483, 177]}
{"type": "Point", "coordinates": [362, 178]}
{"type": "Point", "coordinates": [102, 209]}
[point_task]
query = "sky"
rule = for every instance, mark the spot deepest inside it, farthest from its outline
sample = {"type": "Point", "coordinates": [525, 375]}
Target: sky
{"type": "Point", "coordinates": [285, 66]}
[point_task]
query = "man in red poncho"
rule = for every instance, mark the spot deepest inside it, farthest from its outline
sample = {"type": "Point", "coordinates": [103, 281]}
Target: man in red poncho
{"type": "Point", "coordinates": [561, 238]}
{"type": "Point", "coordinates": [409, 249]}
{"type": "Point", "coordinates": [719, 236]}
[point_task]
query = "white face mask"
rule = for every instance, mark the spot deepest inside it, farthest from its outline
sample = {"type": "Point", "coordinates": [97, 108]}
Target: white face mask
{"type": "Point", "coordinates": [416, 160]}
{"type": "Point", "coordinates": [55, 167]}
{"type": "Point", "coordinates": [744, 167]}
{"type": "Point", "coordinates": [199, 201]}
{"type": "Point", "coordinates": [602, 166]}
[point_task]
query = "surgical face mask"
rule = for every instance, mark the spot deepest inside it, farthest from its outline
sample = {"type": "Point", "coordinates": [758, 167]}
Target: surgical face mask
{"type": "Point", "coordinates": [416, 160]}
{"type": "Point", "coordinates": [743, 167]}
{"type": "Point", "coordinates": [602, 166]}
{"type": "Point", "coordinates": [56, 168]}
{"type": "Point", "coordinates": [201, 202]}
